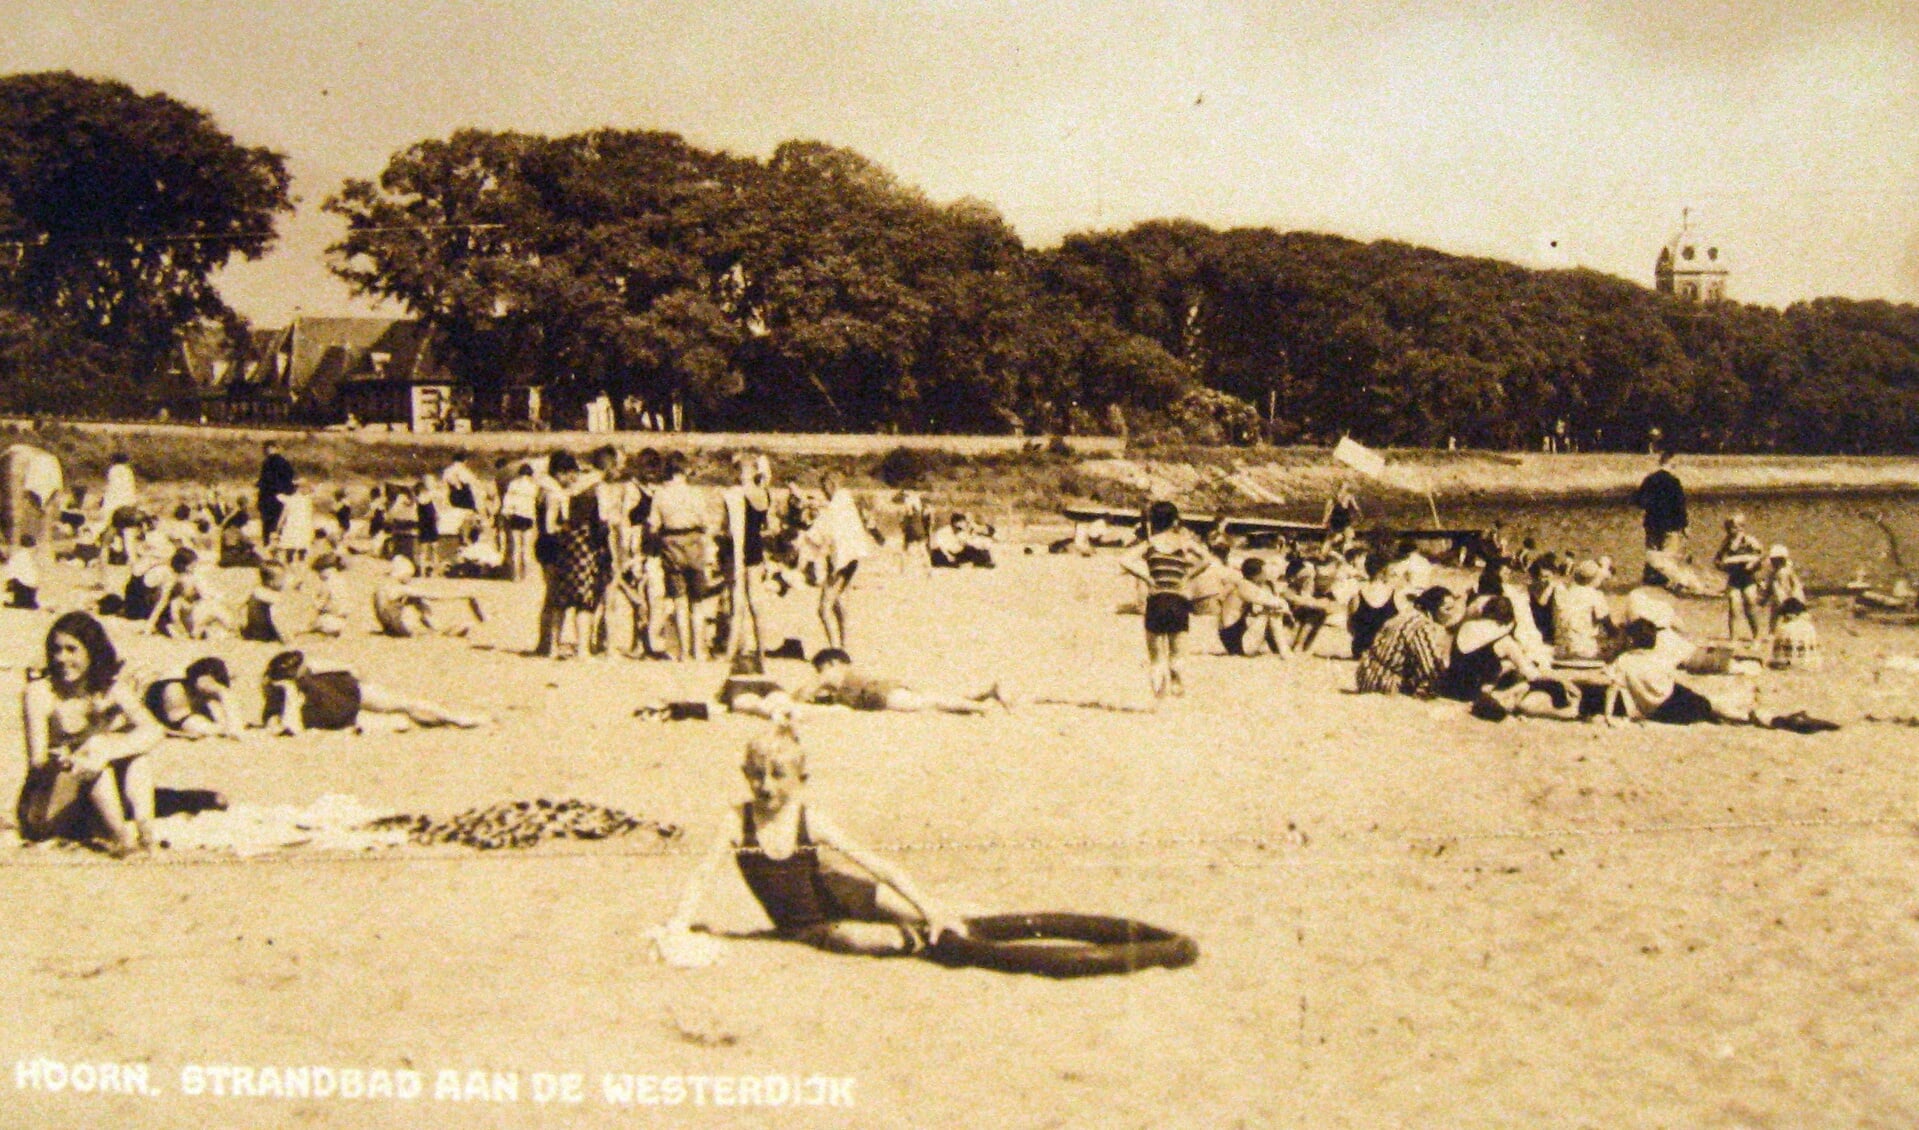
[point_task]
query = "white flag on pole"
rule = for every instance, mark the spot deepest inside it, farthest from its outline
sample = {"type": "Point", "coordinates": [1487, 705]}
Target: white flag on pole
{"type": "Point", "coordinates": [1360, 457]}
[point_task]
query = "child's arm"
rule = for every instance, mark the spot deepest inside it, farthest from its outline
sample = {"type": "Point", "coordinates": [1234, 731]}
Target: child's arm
{"type": "Point", "coordinates": [161, 606]}
{"type": "Point", "coordinates": [288, 719]}
{"type": "Point", "coordinates": [826, 832]}
{"type": "Point", "coordinates": [36, 708]}
{"type": "Point", "coordinates": [1133, 561]}
{"type": "Point", "coordinates": [695, 890]}
{"type": "Point", "coordinates": [226, 720]}
{"type": "Point", "coordinates": [143, 733]}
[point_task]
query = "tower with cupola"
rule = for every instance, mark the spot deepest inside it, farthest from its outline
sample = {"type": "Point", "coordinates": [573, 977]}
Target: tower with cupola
{"type": "Point", "coordinates": [1691, 265]}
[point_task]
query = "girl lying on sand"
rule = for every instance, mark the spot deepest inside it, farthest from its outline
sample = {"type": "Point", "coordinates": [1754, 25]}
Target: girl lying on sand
{"type": "Point", "coordinates": [300, 696]}
{"type": "Point", "coordinates": [776, 839]}
{"type": "Point", "coordinates": [195, 705]}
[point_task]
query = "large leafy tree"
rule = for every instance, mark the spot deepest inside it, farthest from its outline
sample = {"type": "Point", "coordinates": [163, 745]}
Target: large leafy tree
{"type": "Point", "coordinates": [596, 261]}
{"type": "Point", "coordinates": [117, 207]}
{"type": "Point", "coordinates": [812, 290]}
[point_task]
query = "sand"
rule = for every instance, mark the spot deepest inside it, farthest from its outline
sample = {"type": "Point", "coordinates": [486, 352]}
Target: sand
{"type": "Point", "coordinates": [1406, 917]}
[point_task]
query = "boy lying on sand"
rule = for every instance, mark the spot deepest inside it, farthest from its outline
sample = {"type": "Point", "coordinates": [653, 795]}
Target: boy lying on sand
{"type": "Point", "coordinates": [838, 684]}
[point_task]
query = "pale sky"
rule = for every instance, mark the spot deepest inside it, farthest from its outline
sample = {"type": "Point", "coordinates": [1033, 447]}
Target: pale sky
{"type": "Point", "coordinates": [1549, 133]}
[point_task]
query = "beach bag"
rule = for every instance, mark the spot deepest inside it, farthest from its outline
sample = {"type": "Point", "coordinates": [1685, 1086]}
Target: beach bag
{"type": "Point", "coordinates": [546, 548]}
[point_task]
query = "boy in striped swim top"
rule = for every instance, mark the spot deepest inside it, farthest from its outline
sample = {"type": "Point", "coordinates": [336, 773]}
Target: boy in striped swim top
{"type": "Point", "coordinates": [1167, 562]}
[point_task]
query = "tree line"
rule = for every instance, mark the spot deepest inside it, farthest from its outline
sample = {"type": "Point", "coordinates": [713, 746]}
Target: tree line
{"type": "Point", "coordinates": [812, 290]}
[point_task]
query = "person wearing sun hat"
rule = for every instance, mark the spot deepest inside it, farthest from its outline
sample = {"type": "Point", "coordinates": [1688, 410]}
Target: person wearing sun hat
{"type": "Point", "coordinates": [1647, 606]}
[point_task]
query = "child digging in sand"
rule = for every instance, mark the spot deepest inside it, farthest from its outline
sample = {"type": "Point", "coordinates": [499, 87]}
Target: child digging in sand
{"type": "Point", "coordinates": [776, 839]}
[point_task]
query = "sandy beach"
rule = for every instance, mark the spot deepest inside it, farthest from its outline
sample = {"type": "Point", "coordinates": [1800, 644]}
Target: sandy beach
{"type": "Point", "coordinates": [1406, 917]}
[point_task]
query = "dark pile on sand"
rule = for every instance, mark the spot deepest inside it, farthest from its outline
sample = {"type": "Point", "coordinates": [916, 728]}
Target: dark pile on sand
{"type": "Point", "coordinates": [525, 823]}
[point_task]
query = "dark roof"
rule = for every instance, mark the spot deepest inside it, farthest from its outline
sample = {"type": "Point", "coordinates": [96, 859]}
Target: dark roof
{"type": "Point", "coordinates": [311, 358]}
{"type": "Point", "coordinates": [205, 360]}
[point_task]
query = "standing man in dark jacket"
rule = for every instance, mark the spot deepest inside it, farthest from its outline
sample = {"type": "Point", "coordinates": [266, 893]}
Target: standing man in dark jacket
{"type": "Point", "coordinates": [276, 479]}
{"type": "Point", "coordinates": [1663, 499]}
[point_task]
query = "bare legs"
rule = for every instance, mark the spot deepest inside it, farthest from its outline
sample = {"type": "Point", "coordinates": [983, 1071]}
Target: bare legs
{"type": "Point", "coordinates": [1162, 653]}
{"type": "Point", "coordinates": [380, 700]}
{"type": "Point", "coordinates": [881, 923]}
{"type": "Point", "coordinates": [833, 604]}
{"type": "Point", "coordinates": [1742, 607]}
{"type": "Point", "coordinates": [746, 614]}
{"type": "Point", "coordinates": [126, 787]}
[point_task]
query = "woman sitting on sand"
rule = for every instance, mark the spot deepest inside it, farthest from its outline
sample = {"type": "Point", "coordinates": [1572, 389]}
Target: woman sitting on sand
{"type": "Point", "coordinates": [1485, 654]}
{"type": "Point", "coordinates": [1374, 605]}
{"type": "Point", "coordinates": [87, 734]}
{"type": "Point", "coordinates": [1645, 683]}
{"type": "Point", "coordinates": [1409, 654]}
{"type": "Point", "coordinates": [300, 696]}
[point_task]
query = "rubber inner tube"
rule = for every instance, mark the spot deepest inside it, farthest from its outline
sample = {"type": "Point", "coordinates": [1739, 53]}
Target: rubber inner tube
{"type": "Point", "coordinates": [1064, 945]}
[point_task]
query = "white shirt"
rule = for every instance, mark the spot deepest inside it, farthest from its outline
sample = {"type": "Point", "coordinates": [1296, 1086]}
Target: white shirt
{"type": "Point", "coordinates": [120, 489]}
{"type": "Point", "coordinates": [522, 497]}
{"type": "Point", "coordinates": [1577, 612]}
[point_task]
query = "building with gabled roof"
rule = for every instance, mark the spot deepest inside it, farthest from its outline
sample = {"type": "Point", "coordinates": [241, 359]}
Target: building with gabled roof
{"type": "Point", "coordinates": [370, 371]}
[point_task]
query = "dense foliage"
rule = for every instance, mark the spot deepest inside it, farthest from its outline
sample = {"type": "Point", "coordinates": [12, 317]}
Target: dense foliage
{"type": "Point", "coordinates": [116, 208]}
{"type": "Point", "coordinates": [1405, 345]}
{"type": "Point", "coordinates": [812, 290]}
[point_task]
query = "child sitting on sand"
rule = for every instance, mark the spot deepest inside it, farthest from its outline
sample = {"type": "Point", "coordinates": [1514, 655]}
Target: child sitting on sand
{"type": "Point", "coordinates": [405, 612]}
{"type": "Point", "coordinates": [330, 599]}
{"type": "Point", "coordinates": [192, 607]}
{"type": "Point", "coordinates": [300, 696]}
{"type": "Point", "coordinates": [1795, 642]}
{"type": "Point", "coordinates": [1248, 610]}
{"type": "Point", "coordinates": [776, 839]}
{"type": "Point", "coordinates": [264, 620]}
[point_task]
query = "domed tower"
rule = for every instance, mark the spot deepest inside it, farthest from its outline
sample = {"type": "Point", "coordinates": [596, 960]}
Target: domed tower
{"type": "Point", "coordinates": [1691, 265]}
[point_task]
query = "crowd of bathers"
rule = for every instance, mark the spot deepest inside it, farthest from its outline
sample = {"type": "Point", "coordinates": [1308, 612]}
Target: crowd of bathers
{"type": "Point", "coordinates": [1532, 633]}
{"type": "Point", "coordinates": [627, 551]}
{"type": "Point", "coordinates": [624, 545]}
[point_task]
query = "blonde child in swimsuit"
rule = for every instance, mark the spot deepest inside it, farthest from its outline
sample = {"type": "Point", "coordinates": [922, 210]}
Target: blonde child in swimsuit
{"type": "Point", "coordinates": [778, 841]}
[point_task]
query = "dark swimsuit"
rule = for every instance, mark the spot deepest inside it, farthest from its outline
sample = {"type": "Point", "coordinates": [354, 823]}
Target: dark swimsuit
{"type": "Point", "coordinates": [1367, 619]}
{"type": "Point", "coordinates": [753, 536]}
{"type": "Point", "coordinates": [141, 598]}
{"type": "Point", "coordinates": [1470, 672]}
{"type": "Point", "coordinates": [331, 700]}
{"type": "Point", "coordinates": [792, 891]}
{"type": "Point", "coordinates": [156, 700]}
